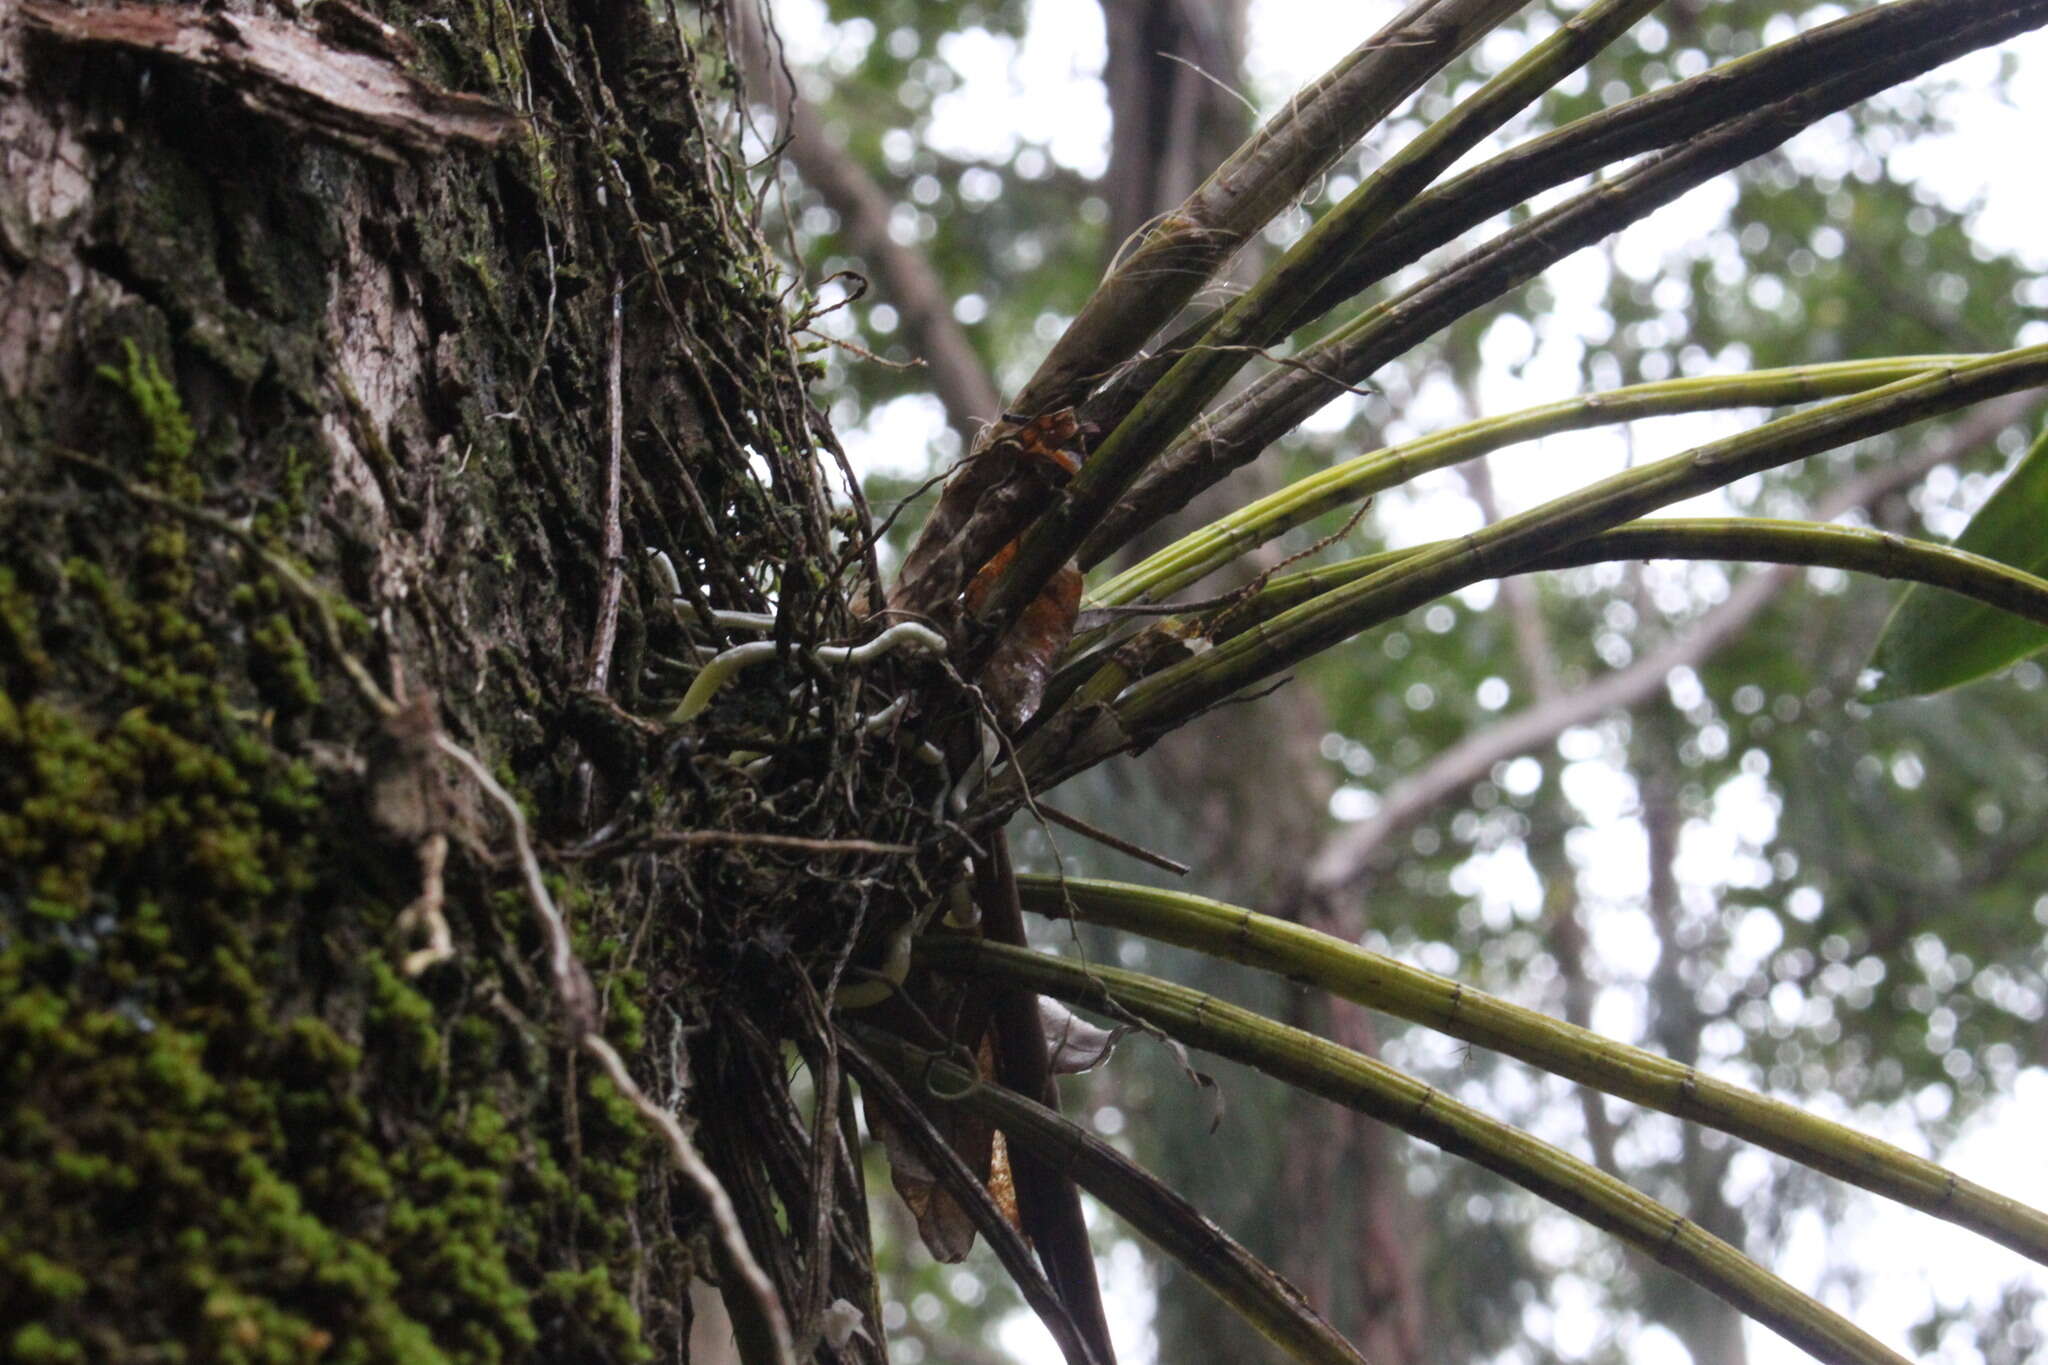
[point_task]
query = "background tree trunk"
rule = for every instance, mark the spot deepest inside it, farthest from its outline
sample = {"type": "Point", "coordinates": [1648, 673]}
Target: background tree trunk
{"type": "Point", "coordinates": [1254, 801]}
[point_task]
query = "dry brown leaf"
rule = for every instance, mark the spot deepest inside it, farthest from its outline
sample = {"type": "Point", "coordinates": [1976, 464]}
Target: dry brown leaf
{"type": "Point", "coordinates": [942, 1224]}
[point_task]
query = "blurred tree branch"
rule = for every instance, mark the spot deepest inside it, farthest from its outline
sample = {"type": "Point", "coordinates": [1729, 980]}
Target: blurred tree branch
{"type": "Point", "coordinates": [909, 282]}
{"type": "Point", "coordinates": [1350, 856]}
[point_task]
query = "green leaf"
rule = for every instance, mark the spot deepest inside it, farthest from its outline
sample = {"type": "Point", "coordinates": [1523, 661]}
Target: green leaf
{"type": "Point", "coordinates": [1937, 640]}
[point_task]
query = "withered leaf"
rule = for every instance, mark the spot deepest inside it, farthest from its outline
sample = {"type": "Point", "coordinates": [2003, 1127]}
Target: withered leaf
{"type": "Point", "coordinates": [942, 1225]}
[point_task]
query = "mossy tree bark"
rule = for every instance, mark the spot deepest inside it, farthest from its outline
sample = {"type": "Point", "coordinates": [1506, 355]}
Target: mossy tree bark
{"type": "Point", "coordinates": [276, 394]}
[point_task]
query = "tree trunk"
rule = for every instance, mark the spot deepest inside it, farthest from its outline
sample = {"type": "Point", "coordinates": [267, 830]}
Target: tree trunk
{"type": "Point", "coordinates": [289, 384]}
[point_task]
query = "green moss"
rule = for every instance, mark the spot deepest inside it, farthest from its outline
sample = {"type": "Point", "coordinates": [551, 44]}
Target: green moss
{"type": "Point", "coordinates": [35, 1344]}
{"type": "Point", "coordinates": [401, 1019]}
{"type": "Point", "coordinates": [294, 479]}
{"type": "Point", "coordinates": [354, 626]}
{"type": "Point", "coordinates": [625, 1021]}
{"type": "Point", "coordinates": [230, 1128]}
{"type": "Point", "coordinates": [158, 1071]}
{"type": "Point", "coordinates": [588, 1297]}
{"type": "Point", "coordinates": [169, 435]}
{"type": "Point", "coordinates": [47, 1280]}
{"type": "Point", "coordinates": [480, 267]}
{"type": "Point", "coordinates": [24, 665]}
{"type": "Point", "coordinates": [280, 666]}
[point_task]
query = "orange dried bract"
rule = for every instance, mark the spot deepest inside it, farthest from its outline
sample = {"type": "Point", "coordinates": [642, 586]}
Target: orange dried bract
{"type": "Point", "coordinates": [1016, 674]}
{"type": "Point", "coordinates": [1002, 1184]}
{"type": "Point", "coordinates": [1046, 438]}
{"type": "Point", "coordinates": [985, 581]}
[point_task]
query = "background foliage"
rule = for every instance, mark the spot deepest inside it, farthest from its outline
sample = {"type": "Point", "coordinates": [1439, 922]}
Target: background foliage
{"type": "Point", "coordinates": [1735, 862]}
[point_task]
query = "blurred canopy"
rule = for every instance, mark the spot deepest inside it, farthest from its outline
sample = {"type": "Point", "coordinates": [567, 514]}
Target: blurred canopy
{"type": "Point", "coordinates": [1640, 796]}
